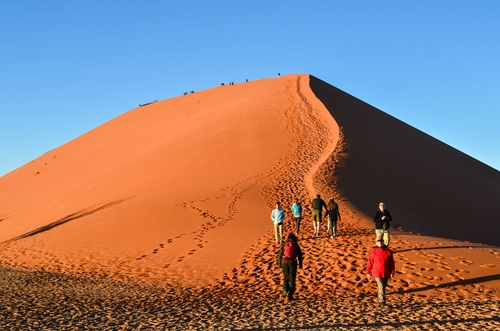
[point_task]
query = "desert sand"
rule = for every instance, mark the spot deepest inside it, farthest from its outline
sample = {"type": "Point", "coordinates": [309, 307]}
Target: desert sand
{"type": "Point", "coordinates": [160, 219]}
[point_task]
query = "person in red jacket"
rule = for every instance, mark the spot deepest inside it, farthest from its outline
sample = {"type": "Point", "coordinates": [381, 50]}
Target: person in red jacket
{"type": "Point", "coordinates": [381, 267]}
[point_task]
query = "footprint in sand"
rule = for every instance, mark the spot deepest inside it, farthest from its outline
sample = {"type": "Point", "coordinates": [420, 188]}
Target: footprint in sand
{"type": "Point", "coordinates": [408, 266]}
{"type": "Point", "coordinates": [488, 265]}
{"type": "Point", "coordinates": [404, 283]}
{"type": "Point", "coordinates": [467, 262]}
{"type": "Point", "coordinates": [435, 278]}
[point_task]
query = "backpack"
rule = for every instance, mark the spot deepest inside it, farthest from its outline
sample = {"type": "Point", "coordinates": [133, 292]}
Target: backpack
{"type": "Point", "coordinates": [289, 252]}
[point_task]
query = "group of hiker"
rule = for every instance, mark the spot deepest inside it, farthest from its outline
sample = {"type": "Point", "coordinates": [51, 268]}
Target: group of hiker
{"type": "Point", "coordinates": [318, 204]}
{"type": "Point", "coordinates": [380, 264]}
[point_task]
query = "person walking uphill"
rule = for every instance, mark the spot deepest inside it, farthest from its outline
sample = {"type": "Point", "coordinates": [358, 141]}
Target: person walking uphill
{"type": "Point", "coordinates": [382, 221]}
{"type": "Point", "coordinates": [287, 260]}
{"type": "Point", "coordinates": [317, 208]}
{"type": "Point", "coordinates": [297, 215]}
{"type": "Point", "coordinates": [278, 216]}
{"type": "Point", "coordinates": [381, 267]}
{"type": "Point", "coordinates": [333, 216]}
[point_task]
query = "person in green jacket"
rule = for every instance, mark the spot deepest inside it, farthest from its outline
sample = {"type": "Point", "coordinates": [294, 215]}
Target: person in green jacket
{"type": "Point", "coordinates": [317, 209]}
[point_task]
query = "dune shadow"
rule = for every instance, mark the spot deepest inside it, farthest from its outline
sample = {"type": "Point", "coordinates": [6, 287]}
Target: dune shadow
{"type": "Point", "coordinates": [440, 247]}
{"type": "Point", "coordinates": [402, 182]}
{"type": "Point", "coordinates": [461, 282]}
{"type": "Point", "coordinates": [64, 220]}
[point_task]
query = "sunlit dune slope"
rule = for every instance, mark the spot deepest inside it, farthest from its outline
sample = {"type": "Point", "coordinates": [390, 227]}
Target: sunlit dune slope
{"type": "Point", "coordinates": [196, 174]}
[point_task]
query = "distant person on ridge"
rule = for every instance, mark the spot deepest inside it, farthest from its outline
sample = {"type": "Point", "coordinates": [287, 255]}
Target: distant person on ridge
{"type": "Point", "coordinates": [317, 209]}
{"type": "Point", "coordinates": [278, 216]}
{"type": "Point", "coordinates": [381, 267]}
{"type": "Point", "coordinates": [333, 216]}
{"type": "Point", "coordinates": [382, 221]}
{"type": "Point", "coordinates": [297, 215]}
{"type": "Point", "coordinates": [287, 260]}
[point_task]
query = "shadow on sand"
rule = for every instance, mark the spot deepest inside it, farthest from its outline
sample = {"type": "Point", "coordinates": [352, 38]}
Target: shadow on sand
{"type": "Point", "coordinates": [66, 219]}
{"type": "Point", "coordinates": [461, 282]}
{"type": "Point", "coordinates": [442, 247]}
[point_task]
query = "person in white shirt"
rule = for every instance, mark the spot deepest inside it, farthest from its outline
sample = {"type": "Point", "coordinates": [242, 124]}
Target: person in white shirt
{"type": "Point", "coordinates": [278, 216]}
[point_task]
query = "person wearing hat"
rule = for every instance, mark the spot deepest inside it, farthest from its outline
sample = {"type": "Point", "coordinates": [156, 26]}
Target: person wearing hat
{"type": "Point", "coordinates": [381, 267]}
{"type": "Point", "coordinates": [382, 220]}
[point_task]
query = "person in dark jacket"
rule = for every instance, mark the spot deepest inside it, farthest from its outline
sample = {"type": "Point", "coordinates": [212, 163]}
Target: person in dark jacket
{"type": "Point", "coordinates": [288, 265]}
{"type": "Point", "coordinates": [317, 209]}
{"type": "Point", "coordinates": [381, 267]}
{"type": "Point", "coordinates": [382, 221]}
{"type": "Point", "coordinates": [333, 216]}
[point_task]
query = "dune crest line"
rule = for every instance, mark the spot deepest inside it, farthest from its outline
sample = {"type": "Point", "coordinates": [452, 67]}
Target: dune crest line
{"type": "Point", "coordinates": [312, 143]}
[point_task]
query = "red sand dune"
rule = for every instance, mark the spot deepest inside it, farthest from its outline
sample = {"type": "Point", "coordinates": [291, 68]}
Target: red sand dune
{"type": "Point", "coordinates": [179, 193]}
{"type": "Point", "coordinates": [191, 168]}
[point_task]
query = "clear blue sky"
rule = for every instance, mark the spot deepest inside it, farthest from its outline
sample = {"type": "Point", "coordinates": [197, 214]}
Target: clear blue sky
{"type": "Point", "coordinates": [69, 66]}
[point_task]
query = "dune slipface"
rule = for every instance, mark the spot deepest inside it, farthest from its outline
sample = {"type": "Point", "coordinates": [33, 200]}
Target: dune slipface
{"type": "Point", "coordinates": [432, 187]}
{"type": "Point", "coordinates": [160, 219]}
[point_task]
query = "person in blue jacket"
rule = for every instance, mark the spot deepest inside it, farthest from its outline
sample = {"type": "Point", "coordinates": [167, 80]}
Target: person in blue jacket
{"type": "Point", "coordinates": [297, 215]}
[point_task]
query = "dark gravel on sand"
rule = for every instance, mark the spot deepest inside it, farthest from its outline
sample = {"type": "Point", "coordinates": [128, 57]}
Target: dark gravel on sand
{"type": "Point", "coordinates": [36, 300]}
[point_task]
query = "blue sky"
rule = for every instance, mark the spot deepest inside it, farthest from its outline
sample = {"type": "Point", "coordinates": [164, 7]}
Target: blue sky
{"type": "Point", "coordinates": [69, 66]}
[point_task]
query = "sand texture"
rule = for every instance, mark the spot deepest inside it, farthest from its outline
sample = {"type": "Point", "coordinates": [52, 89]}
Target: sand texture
{"type": "Point", "coordinates": [160, 219]}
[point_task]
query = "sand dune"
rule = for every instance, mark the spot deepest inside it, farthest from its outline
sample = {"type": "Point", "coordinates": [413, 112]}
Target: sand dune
{"type": "Point", "coordinates": [159, 219]}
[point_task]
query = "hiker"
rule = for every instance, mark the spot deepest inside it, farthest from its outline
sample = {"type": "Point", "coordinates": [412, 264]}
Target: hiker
{"type": "Point", "coordinates": [382, 221]}
{"type": "Point", "coordinates": [317, 208]}
{"type": "Point", "coordinates": [381, 267]}
{"type": "Point", "coordinates": [287, 260]}
{"type": "Point", "coordinates": [297, 215]}
{"type": "Point", "coordinates": [278, 216]}
{"type": "Point", "coordinates": [333, 216]}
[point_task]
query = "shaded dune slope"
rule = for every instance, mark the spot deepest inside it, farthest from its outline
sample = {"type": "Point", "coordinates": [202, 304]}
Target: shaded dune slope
{"type": "Point", "coordinates": [428, 186]}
